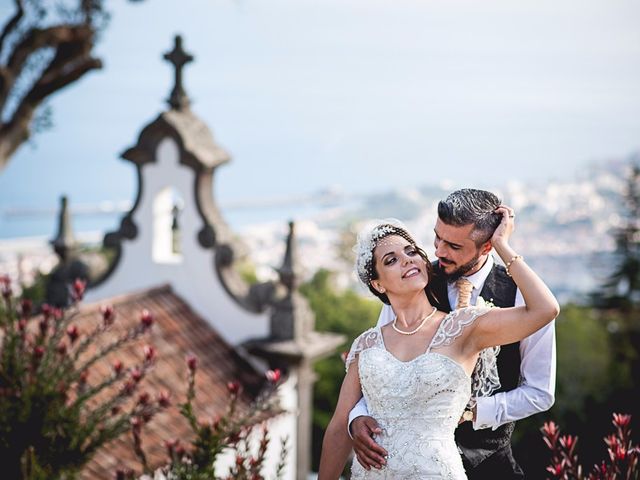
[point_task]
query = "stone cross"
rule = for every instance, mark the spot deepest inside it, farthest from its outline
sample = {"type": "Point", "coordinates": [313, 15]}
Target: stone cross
{"type": "Point", "coordinates": [178, 58]}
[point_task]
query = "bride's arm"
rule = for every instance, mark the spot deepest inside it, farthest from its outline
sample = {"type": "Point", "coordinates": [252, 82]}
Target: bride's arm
{"type": "Point", "coordinates": [502, 326]}
{"type": "Point", "coordinates": [336, 444]}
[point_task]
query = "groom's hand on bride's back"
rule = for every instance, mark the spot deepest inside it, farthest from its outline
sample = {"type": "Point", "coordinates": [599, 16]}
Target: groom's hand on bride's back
{"type": "Point", "coordinates": [368, 452]}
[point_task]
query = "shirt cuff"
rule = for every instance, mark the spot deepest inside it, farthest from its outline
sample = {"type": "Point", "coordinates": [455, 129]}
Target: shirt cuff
{"type": "Point", "coordinates": [351, 419]}
{"type": "Point", "coordinates": [485, 413]}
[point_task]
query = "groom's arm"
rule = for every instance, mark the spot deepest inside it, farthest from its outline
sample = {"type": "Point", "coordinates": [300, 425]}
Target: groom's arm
{"type": "Point", "coordinates": [359, 410]}
{"type": "Point", "coordinates": [536, 393]}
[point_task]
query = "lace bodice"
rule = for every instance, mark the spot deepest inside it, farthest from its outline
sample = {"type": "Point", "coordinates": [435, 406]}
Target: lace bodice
{"type": "Point", "coordinates": [417, 403]}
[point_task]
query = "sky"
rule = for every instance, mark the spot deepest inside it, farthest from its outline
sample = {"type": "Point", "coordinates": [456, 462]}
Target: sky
{"type": "Point", "coordinates": [362, 95]}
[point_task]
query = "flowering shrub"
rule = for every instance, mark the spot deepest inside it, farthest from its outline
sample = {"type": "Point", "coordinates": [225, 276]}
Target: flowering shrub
{"type": "Point", "coordinates": [623, 454]}
{"type": "Point", "coordinates": [52, 418]}
{"type": "Point", "coordinates": [230, 432]}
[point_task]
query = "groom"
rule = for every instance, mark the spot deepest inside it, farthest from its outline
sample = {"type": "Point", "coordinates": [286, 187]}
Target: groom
{"type": "Point", "coordinates": [465, 271]}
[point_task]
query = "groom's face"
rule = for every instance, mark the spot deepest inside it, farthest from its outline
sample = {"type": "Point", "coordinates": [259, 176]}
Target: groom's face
{"type": "Point", "coordinates": [457, 252]}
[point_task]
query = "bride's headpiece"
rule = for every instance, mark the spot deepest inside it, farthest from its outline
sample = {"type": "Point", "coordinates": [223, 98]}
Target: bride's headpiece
{"type": "Point", "coordinates": [369, 237]}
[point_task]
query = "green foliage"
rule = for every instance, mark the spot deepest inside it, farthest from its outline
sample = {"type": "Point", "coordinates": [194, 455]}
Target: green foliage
{"type": "Point", "coordinates": [344, 312]}
{"type": "Point", "coordinates": [584, 359]}
{"type": "Point", "coordinates": [247, 271]}
{"type": "Point", "coordinates": [597, 362]}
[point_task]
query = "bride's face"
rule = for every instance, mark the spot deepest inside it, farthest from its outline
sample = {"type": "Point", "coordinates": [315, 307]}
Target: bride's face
{"type": "Point", "coordinates": [400, 267]}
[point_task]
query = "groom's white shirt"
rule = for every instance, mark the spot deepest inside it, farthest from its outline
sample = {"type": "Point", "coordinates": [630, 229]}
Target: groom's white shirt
{"type": "Point", "coordinates": [537, 367]}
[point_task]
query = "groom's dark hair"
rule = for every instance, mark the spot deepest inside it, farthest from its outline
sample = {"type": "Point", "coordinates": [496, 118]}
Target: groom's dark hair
{"type": "Point", "coordinates": [470, 206]}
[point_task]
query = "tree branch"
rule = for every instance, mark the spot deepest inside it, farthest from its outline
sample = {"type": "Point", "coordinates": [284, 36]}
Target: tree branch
{"type": "Point", "coordinates": [11, 24]}
{"type": "Point", "coordinates": [72, 42]}
{"type": "Point", "coordinates": [49, 37]}
{"type": "Point", "coordinates": [17, 131]}
{"type": "Point", "coordinates": [33, 41]}
{"type": "Point", "coordinates": [68, 74]}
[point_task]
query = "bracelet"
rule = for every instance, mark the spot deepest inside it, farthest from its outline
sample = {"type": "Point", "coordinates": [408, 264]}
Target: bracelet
{"type": "Point", "coordinates": [510, 262]}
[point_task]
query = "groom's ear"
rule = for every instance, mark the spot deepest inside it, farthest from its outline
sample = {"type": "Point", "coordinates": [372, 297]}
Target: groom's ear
{"type": "Point", "coordinates": [486, 247]}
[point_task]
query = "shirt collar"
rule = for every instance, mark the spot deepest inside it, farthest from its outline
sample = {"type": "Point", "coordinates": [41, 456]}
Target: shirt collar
{"type": "Point", "coordinates": [477, 279]}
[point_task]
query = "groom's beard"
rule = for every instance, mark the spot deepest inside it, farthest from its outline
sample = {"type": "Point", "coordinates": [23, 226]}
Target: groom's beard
{"type": "Point", "coordinates": [463, 269]}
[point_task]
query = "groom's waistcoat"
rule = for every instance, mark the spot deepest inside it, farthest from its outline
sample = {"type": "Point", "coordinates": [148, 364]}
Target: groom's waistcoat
{"type": "Point", "coordinates": [499, 289]}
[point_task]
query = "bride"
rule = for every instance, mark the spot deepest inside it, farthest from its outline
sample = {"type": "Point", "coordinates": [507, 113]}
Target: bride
{"type": "Point", "coordinates": [419, 372]}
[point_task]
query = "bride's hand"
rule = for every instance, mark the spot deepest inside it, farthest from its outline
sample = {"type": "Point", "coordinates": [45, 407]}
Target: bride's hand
{"type": "Point", "coordinates": [505, 229]}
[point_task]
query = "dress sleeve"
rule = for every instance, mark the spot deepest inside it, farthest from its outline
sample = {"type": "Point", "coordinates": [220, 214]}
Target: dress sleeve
{"type": "Point", "coordinates": [485, 379]}
{"type": "Point", "coordinates": [368, 339]}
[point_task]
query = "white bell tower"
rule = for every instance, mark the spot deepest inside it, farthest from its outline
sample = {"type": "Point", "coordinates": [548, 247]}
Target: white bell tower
{"type": "Point", "coordinates": [174, 233]}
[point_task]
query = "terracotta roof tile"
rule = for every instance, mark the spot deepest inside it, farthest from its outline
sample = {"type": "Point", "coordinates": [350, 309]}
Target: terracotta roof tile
{"type": "Point", "coordinates": [177, 331]}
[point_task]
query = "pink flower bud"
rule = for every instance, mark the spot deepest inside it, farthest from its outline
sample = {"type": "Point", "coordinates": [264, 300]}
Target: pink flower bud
{"type": "Point", "coordinates": [234, 387]}
{"type": "Point", "coordinates": [5, 287]}
{"type": "Point", "coordinates": [136, 375]}
{"type": "Point", "coordinates": [26, 307]}
{"type": "Point", "coordinates": [72, 333]}
{"type": "Point", "coordinates": [171, 445]}
{"type": "Point", "coordinates": [164, 399]}
{"type": "Point", "coordinates": [43, 324]}
{"type": "Point", "coordinates": [601, 470]}
{"type": "Point", "coordinates": [192, 362]}
{"type": "Point", "coordinates": [273, 375]}
{"type": "Point", "coordinates": [611, 440]}
{"type": "Point", "coordinates": [136, 423]}
{"type": "Point", "coordinates": [77, 289]}
{"type": "Point", "coordinates": [149, 352]}
{"type": "Point", "coordinates": [146, 318]}
{"type": "Point", "coordinates": [216, 422]}
{"type": "Point", "coordinates": [22, 325]}
{"type": "Point", "coordinates": [568, 442]}
{"type": "Point", "coordinates": [143, 399]}
{"type": "Point", "coordinates": [557, 470]}
{"type": "Point", "coordinates": [620, 420]}
{"type": "Point", "coordinates": [61, 348]}
{"type": "Point", "coordinates": [108, 315]}
{"type": "Point", "coordinates": [124, 473]}
{"type": "Point", "coordinates": [117, 367]}
{"type": "Point", "coordinates": [38, 352]}
{"type": "Point", "coordinates": [84, 376]}
{"type": "Point", "coordinates": [619, 454]}
{"type": "Point", "coordinates": [180, 450]}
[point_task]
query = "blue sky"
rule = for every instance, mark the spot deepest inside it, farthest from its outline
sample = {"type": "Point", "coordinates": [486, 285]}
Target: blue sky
{"type": "Point", "coordinates": [362, 94]}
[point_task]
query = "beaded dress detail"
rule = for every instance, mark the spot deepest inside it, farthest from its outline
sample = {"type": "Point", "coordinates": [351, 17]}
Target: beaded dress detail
{"type": "Point", "coordinates": [417, 403]}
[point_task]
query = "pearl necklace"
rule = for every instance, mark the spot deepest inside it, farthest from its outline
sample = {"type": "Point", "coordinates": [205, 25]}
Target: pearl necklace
{"type": "Point", "coordinates": [424, 320]}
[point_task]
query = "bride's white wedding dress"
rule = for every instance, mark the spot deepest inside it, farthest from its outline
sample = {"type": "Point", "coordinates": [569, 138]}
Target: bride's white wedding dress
{"type": "Point", "coordinates": [418, 403]}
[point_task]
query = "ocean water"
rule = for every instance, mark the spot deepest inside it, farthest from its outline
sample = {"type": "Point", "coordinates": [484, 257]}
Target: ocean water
{"type": "Point", "coordinates": [19, 223]}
